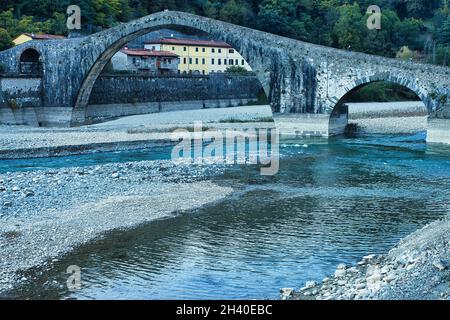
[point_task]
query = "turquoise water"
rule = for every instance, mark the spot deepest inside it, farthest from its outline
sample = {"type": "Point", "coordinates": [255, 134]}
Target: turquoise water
{"type": "Point", "coordinates": [331, 202]}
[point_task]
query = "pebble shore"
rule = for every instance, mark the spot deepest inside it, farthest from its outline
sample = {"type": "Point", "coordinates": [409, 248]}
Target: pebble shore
{"type": "Point", "coordinates": [416, 269]}
{"type": "Point", "coordinates": [48, 213]}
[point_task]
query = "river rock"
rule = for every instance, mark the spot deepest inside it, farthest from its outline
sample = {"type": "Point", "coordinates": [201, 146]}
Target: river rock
{"type": "Point", "coordinates": [372, 269]}
{"type": "Point", "coordinates": [409, 267]}
{"type": "Point", "coordinates": [340, 273]}
{"type": "Point", "coordinates": [341, 282]}
{"type": "Point", "coordinates": [374, 281]}
{"type": "Point", "coordinates": [310, 284]}
{"type": "Point", "coordinates": [360, 286]}
{"type": "Point", "coordinates": [439, 265]}
{"type": "Point", "coordinates": [389, 278]}
{"type": "Point", "coordinates": [28, 193]}
{"type": "Point", "coordinates": [286, 292]}
{"type": "Point", "coordinates": [369, 258]}
{"type": "Point", "coordinates": [341, 266]}
{"type": "Point", "coordinates": [385, 270]}
{"type": "Point", "coordinates": [353, 270]}
{"type": "Point", "coordinates": [362, 294]}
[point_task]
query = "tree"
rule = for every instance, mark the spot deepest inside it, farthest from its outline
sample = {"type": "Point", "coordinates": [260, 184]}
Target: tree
{"type": "Point", "coordinates": [236, 13]}
{"type": "Point", "coordinates": [405, 53]}
{"type": "Point", "coordinates": [407, 33]}
{"type": "Point", "coordinates": [444, 31]}
{"type": "Point", "coordinates": [5, 40]}
{"type": "Point", "coordinates": [349, 29]}
{"type": "Point", "coordinates": [236, 70]}
{"type": "Point", "coordinates": [421, 8]}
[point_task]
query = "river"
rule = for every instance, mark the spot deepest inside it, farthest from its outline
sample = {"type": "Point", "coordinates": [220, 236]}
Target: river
{"type": "Point", "coordinates": [333, 201]}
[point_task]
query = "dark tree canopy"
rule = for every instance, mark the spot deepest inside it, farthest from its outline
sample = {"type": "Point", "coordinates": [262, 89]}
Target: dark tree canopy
{"type": "Point", "coordinates": [336, 23]}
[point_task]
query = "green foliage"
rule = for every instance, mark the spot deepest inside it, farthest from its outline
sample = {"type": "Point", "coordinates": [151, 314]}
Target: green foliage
{"type": "Point", "coordinates": [383, 92]}
{"type": "Point", "coordinates": [405, 53]}
{"type": "Point", "coordinates": [236, 70]}
{"type": "Point", "coordinates": [337, 23]}
{"type": "Point", "coordinates": [443, 32]}
{"type": "Point", "coordinates": [5, 40]}
{"type": "Point", "coordinates": [348, 30]}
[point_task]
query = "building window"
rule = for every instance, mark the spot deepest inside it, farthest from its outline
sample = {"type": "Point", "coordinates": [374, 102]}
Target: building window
{"type": "Point", "coordinates": [213, 50]}
{"type": "Point", "coordinates": [203, 71]}
{"type": "Point", "coordinates": [184, 49]}
{"type": "Point", "coordinates": [203, 61]}
{"type": "Point", "coordinates": [220, 50]}
{"type": "Point", "coordinates": [231, 51]}
{"type": "Point", "coordinates": [173, 48]}
{"type": "Point", "coordinates": [212, 61]}
{"type": "Point", "coordinates": [196, 49]}
{"type": "Point", "coordinates": [219, 61]}
{"type": "Point", "coordinates": [225, 61]}
{"type": "Point", "coordinates": [203, 50]}
{"type": "Point", "coordinates": [242, 61]}
{"type": "Point", "coordinates": [184, 60]}
{"type": "Point", "coordinates": [153, 48]}
{"type": "Point", "coordinates": [190, 60]}
{"type": "Point", "coordinates": [231, 62]}
{"type": "Point", "coordinates": [236, 62]}
{"type": "Point", "coordinates": [196, 60]}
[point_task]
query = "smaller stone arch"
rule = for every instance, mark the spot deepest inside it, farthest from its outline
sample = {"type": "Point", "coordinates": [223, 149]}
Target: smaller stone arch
{"type": "Point", "coordinates": [339, 111]}
{"type": "Point", "coordinates": [30, 62]}
{"type": "Point", "coordinates": [388, 78]}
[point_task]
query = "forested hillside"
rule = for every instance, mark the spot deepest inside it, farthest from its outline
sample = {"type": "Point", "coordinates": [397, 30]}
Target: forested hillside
{"type": "Point", "coordinates": [411, 29]}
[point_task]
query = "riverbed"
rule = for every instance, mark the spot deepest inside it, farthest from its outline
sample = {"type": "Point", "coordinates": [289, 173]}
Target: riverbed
{"type": "Point", "coordinates": [332, 202]}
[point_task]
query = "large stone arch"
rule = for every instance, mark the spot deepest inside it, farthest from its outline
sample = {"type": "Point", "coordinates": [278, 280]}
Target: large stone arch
{"type": "Point", "coordinates": [265, 61]}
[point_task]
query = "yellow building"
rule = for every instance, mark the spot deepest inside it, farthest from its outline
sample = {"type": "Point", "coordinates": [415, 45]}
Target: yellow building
{"type": "Point", "coordinates": [25, 37]}
{"type": "Point", "coordinates": [200, 56]}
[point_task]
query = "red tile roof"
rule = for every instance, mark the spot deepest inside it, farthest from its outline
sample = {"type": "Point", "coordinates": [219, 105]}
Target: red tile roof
{"type": "Point", "coordinates": [148, 53]}
{"type": "Point", "coordinates": [191, 42]}
{"type": "Point", "coordinates": [36, 36]}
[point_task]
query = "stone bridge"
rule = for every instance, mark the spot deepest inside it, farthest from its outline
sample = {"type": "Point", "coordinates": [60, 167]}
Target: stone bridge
{"type": "Point", "coordinates": [297, 77]}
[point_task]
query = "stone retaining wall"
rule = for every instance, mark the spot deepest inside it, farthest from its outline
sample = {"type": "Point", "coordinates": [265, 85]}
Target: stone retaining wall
{"type": "Point", "coordinates": [19, 98]}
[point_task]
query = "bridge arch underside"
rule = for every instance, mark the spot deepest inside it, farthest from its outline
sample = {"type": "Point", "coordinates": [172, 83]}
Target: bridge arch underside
{"type": "Point", "coordinates": [83, 96]}
{"type": "Point", "coordinates": [339, 114]}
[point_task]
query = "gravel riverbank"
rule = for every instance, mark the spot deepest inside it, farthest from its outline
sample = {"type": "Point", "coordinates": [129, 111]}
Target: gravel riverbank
{"type": "Point", "coordinates": [47, 213]}
{"type": "Point", "coordinates": [416, 269]}
{"type": "Point", "coordinates": [132, 132]}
